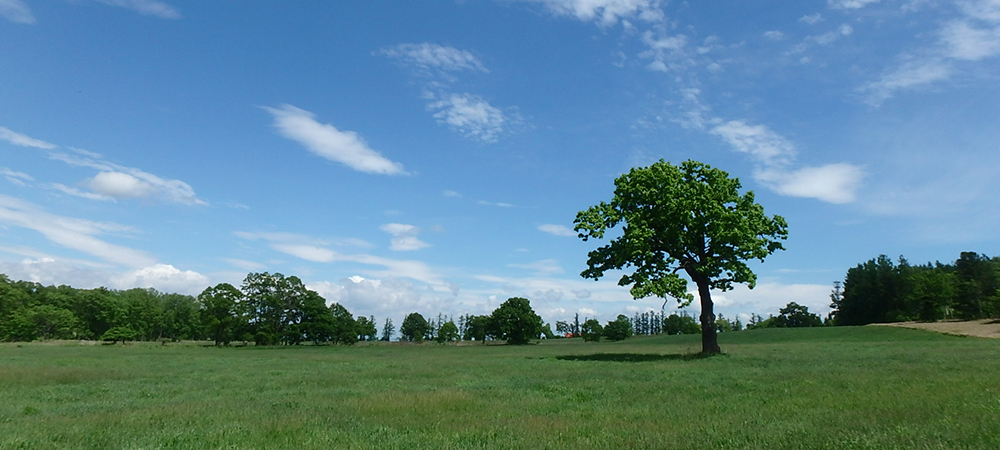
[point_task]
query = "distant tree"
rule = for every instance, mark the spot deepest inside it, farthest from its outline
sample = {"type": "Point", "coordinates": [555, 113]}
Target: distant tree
{"type": "Point", "coordinates": [723, 325]}
{"type": "Point", "coordinates": [479, 328]}
{"type": "Point", "coordinates": [516, 322]}
{"type": "Point", "coordinates": [874, 292]}
{"type": "Point", "coordinates": [218, 312]}
{"type": "Point", "coordinates": [680, 324]}
{"type": "Point", "coordinates": [317, 323]}
{"type": "Point", "coordinates": [367, 331]}
{"type": "Point", "coordinates": [618, 329]}
{"type": "Point", "coordinates": [688, 218]}
{"type": "Point", "coordinates": [387, 330]}
{"type": "Point", "coordinates": [563, 328]}
{"type": "Point", "coordinates": [591, 330]}
{"type": "Point", "coordinates": [794, 315]}
{"type": "Point", "coordinates": [42, 322]}
{"type": "Point", "coordinates": [414, 327]}
{"type": "Point", "coordinates": [345, 328]}
{"type": "Point", "coordinates": [116, 334]}
{"type": "Point", "coordinates": [933, 292]}
{"type": "Point", "coordinates": [576, 324]}
{"type": "Point", "coordinates": [547, 331]}
{"type": "Point", "coordinates": [448, 332]}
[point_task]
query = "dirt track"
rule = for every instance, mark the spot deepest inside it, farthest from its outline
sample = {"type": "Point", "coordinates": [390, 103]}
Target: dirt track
{"type": "Point", "coordinates": [980, 328]}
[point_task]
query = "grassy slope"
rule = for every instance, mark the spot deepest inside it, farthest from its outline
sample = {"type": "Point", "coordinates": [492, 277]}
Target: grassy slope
{"type": "Point", "coordinates": [868, 387]}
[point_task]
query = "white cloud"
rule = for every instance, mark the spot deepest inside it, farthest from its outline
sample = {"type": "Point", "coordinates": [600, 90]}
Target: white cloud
{"type": "Point", "coordinates": [162, 277]}
{"type": "Point", "coordinates": [245, 265]}
{"type": "Point", "coordinates": [79, 193]}
{"type": "Point", "coordinates": [849, 4]}
{"type": "Point", "coordinates": [432, 56]}
{"type": "Point", "coordinates": [774, 35]}
{"type": "Point", "coordinates": [404, 237]}
{"type": "Point", "coordinates": [311, 249]}
{"type": "Point", "coordinates": [379, 297]}
{"type": "Point", "coordinates": [452, 194]}
{"type": "Point", "coordinates": [146, 7]}
{"type": "Point", "coordinates": [558, 230]}
{"type": "Point", "coordinates": [18, 178]}
{"type": "Point", "coordinates": [759, 141]}
{"type": "Point", "coordinates": [120, 185]}
{"type": "Point", "coordinates": [543, 267]}
{"type": "Point", "coordinates": [76, 234]}
{"type": "Point", "coordinates": [833, 183]}
{"type": "Point", "coordinates": [832, 36]}
{"type": "Point", "coordinates": [812, 19]}
{"type": "Point", "coordinates": [18, 12]}
{"type": "Point", "coordinates": [325, 140]}
{"type": "Point", "coordinates": [909, 75]}
{"type": "Point", "coordinates": [497, 204]}
{"type": "Point", "coordinates": [606, 12]}
{"type": "Point", "coordinates": [471, 116]}
{"type": "Point", "coordinates": [22, 140]}
{"type": "Point", "coordinates": [965, 41]}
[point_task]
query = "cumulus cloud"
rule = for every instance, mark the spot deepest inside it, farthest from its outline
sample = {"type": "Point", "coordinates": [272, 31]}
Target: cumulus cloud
{"type": "Point", "coordinates": [833, 183]}
{"type": "Point", "coordinates": [73, 233]}
{"type": "Point", "coordinates": [427, 56]}
{"type": "Point", "coordinates": [20, 139]}
{"type": "Point", "coordinates": [120, 185]}
{"type": "Point", "coordinates": [404, 237]}
{"type": "Point", "coordinates": [471, 116]}
{"type": "Point", "coordinates": [162, 277]}
{"type": "Point", "coordinates": [18, 12]}
{"type": "Point", "coordinates": [325, 140]}
{"type": "Point", "coordinates": [606, 12]}
{"type": "Point", "coordinates": [966, 41]}
{"type": "Point", "coordinates": [557, 230]}
{"type": "Point", "coordinates": [381, 297]}
{"type": "Point", "coordinates": [774, 35]}
{"type": "Point", "coordinates": [146, 7]}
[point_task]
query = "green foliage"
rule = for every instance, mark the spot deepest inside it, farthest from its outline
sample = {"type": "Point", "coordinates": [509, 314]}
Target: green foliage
{"type": "Point", "coordinates": [414, 327]}
{"type": "Point", "coordinates": [618, 329]}
{"type": "Point", "coordinates": [367, 331]}
{"type": "Point", "coordinates": [591, 330]}
{"type": "Point", "coordinates": [680, 324]}
{"type": "Point", "coordinates": [880, 291]}
{"type": "Point", "coordinates": [42, 322]}
{"type": "Point", "coordinates": [122, 334]}
{"type": "Point", "coordinates": [689, 218]}
{"type": "Point", "coordinates": [387, 330]}
{"type": "Point", "coordinates": [218, 312]}
{"type": "Point", "coordinates": [478, 328]}
{"type": "Point", "coordinates": [447, 333]}
{"type": "Point", "coordinates": [794, 315]}
{"type": "Point", "coordinates": [516, 322]}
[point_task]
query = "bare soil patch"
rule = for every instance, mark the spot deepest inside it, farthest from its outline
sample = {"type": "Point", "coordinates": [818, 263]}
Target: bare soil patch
{"type": "Point", "coordinates": [980, 328]}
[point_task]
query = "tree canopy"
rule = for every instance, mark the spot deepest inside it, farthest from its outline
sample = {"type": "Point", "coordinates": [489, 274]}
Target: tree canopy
{"type": "Point", "coordinates": [516, 322]}
{"type": "Point", "coordinates": [689, 218]}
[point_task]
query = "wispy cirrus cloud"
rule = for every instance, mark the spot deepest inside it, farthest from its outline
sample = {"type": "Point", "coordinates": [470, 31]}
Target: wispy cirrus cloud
{"type": "Point", "coordinates": [18, 12]}
{"type": "Point", "coordinates": [468, 114]}
{"type": "Point", "coordinates": [114, 181]}
{"type": "Point", "coordinates": [427, 56]}
{"type": "Point", "coordinates": [960, 42]}
{"type": "Point", "coordinates": [146, 7]}
{"type": "Point", "coordinates": [557, 230]}
{"type": "Point", "coordinates": [606, 12]}
{"type": "Point", "coordinates": [325, 140]}
{"type": "Point", "coordinates": [73, 233]}
{"type": "Point", "coordinates": [23, 140]}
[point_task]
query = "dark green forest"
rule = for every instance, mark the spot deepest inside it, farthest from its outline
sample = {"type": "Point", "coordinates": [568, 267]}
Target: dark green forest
{"type": "Point", "coordinates": [274, 309]}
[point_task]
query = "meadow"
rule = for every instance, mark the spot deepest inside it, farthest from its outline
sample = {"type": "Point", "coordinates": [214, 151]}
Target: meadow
{"type": "Point", "coordinates": [831, 388]}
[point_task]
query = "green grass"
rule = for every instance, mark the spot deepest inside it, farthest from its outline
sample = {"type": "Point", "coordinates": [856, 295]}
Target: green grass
{"type": "Point", "coordinates": [836, 388]}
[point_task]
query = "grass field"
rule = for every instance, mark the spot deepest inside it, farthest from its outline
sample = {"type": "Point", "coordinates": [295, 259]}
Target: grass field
{"type": "Point", "coordinates": [836, 388]}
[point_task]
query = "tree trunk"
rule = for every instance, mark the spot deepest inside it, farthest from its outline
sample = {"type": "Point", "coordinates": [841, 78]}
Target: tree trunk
{"type": "Point", "coordinates": [709, 339]}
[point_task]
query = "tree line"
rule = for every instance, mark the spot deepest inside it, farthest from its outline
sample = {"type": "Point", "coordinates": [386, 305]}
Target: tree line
{"type": "Point", "coordinates": [880, 290]}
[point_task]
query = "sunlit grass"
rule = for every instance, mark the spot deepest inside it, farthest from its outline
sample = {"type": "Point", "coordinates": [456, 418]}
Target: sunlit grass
{"type": "Point", "coordinates": [866, 387]}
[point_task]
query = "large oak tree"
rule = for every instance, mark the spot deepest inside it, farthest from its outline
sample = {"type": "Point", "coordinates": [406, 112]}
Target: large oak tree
{"type": "Point", "coordinates": [688, 219]}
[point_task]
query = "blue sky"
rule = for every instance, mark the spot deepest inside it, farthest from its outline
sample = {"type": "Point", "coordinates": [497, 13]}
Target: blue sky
{"type": "Point", "coordinates": [431, 156]}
